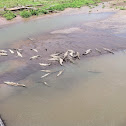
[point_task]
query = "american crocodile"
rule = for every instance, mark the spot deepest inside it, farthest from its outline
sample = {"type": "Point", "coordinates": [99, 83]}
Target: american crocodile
{"type": "Point", "coordinates": [45, 75]}
{"type": "Point", "coordinates": [19, 54]}
{"type": "Point", "coordinates": [108, 50]}
{"type": "Point", "coordinates": [34, 57]}
{"type": "Point", "coordinates": [87, 51]}
{"type": "Point", "coordinates": [11, 51]}
{"type": "Point", "coordinates": [13, 84]}
{"type": "Point", "coordinates": [44, 64]}
{"type": "Point", "coordinates": [60, 72]}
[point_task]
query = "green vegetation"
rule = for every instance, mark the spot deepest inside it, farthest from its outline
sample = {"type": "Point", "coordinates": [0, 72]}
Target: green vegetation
{"type": "Point", "coordinates": [122, 8]}
{"type": "Point", "coordinates": [43, 11]}
{"type": "Point", "coordinates": [25, 14]}
{"type": "Point", "coordinates": [103, 6]}
{"type": "Point", "coordinates": [42, 6]}
{"type": "Point", "coordinates": [9, 15]}
{"type": "Point", "coordinates": [70, 3]}
{"type": "Point", "coordinates": [2, 13]}
{"type": "Point", "coordinates": [34, 12]}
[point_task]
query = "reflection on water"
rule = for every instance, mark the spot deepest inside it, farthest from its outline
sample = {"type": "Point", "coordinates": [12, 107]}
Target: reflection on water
{"type": "Point", "coordinates": [80, 97]}
{"type": "Point", "coordinates": [23, 30]}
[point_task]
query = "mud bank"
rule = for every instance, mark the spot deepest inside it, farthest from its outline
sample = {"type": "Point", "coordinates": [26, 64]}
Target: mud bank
{"type": "Point", "coordinates": [86, 38]}
{"type": "Point", "coordinates": [78, 37]}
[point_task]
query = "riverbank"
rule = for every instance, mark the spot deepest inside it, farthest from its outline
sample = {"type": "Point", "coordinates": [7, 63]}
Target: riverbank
{"type": "Point", "coordinates": [29, 8]}
{"type": "Point", "coordinates": [106, 5]}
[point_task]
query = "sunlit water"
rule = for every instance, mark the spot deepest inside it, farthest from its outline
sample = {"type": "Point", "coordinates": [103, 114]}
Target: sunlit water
{"type": "Point", "coordinates": [89, 93]}
{"type": "Point", "coordinates": [11, 34]}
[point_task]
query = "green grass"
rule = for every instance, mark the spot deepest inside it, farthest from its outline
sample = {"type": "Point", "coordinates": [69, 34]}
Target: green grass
{"type": "Point", "coordinates": [9, 15]}
{"type": "Point", "coordinates": [25, 14]}
{"type": "Point", "coordinates": [43, 11]}
{"type": "Point", "coordinates": [122, 8]}
{"type": "Point", "coordinates": [34, 12]}
{"type": "Point", "coordinates": [12, 3]}
{"type": "Point", "coordinates": [47, 6]}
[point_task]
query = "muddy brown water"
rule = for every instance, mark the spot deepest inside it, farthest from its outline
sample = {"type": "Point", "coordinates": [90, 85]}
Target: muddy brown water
{"type": "Point", "coordinates": [90, 93]}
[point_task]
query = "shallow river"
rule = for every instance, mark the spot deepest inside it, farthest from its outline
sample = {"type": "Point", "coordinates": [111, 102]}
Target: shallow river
{"type": "Point", "coordinates": [89, 93]}
{"type": "Point", "coordinates": [27, 29]}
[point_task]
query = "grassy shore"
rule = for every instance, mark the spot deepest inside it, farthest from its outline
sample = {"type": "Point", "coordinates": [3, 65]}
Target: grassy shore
{"type": "Point", "coordinates": [41, 6]}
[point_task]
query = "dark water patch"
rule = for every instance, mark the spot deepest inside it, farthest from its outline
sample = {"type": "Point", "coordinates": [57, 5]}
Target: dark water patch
{"type": "Point", "coordinates": [18, 74]}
